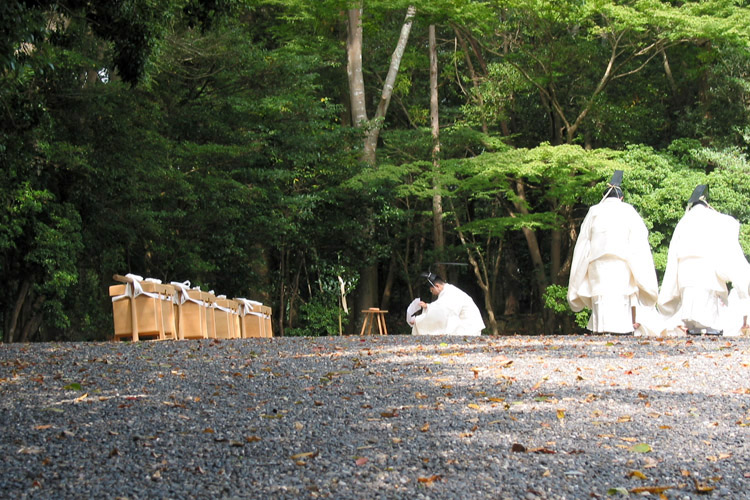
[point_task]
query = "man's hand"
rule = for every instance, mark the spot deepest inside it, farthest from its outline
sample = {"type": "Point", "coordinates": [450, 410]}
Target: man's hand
{"type": "Point", "coordinates": [423, 304]}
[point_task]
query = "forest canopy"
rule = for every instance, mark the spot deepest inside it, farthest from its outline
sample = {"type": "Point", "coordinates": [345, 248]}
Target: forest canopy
{"type": "Point", "coordinates": [277, 149]}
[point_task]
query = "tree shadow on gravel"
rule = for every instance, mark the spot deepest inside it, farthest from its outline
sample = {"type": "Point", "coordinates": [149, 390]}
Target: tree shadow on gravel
{"type": "Point", "coordinates": [376, 417]}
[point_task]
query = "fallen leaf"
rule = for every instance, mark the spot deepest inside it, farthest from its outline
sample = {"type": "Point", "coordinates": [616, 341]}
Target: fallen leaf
{"type": "Point", "coordinates": [542, 451]}
{"type": "Point", "coordinates": [429, 480]}
{"type": "Point", "coordinates": [560, 414]}
{"type": "Point", "coordinates": [702, 487]}
{"type": "Point", "coordinates": [641, 448]}
{"type": "Point", "coordinates": [617, 491]}
{"type": "Point", "coordinates": [306, 454]}
{"type": "Point", "coordinates": [361, 461]}
{"type": "Point", "coordinates": [638, 474]}
{"type": "Point", "coordinates": [425, 427]}
{"type": "Point", "coordinates": [650, 489]}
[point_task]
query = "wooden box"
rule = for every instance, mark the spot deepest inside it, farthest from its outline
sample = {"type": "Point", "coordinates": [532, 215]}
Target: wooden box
{"type": "Point", "coordinates": [150, 314]}
{"type": "Point", "coordinates": [226, 312]}
{"type": "Point", "coordinates": [192, 314]}
{"type": "Point", "coordinates": [209, 299]}
{"type": "Point", "coordinates": [250, 319]}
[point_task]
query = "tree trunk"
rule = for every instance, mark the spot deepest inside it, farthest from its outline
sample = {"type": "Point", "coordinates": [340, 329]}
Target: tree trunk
{"type": "Point", "coordinates": [388, 288]}
{"type": "Point", "coordinates": [484, 280]}
{"type": "Point", "coordinates": [34, 320]}
{"type": "Point", "coordinates": [354, 67]}
{"type": "Point", "coordinates": [12, 325]}
{"type": "Point", "coordinates": [371, 139]}
{"type": "Point", "coordinates": [437, 198]}
{"type": "Point", "coordinates": [367, 292]}
{"type": "Point", "coordinates": [282, 292]}
{"type": "Point", "coordinates": [534, 251]}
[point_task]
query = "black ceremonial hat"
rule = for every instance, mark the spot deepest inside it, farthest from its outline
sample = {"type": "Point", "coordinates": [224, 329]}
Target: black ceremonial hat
{"type": "Point", "coordinates": [430, 277]}
{"type": "Point", "coordinates": [614, 188]}
{"type": "Point", "coordinates": [616, 180]}
{"type": "Point", "coordinates": [700, 194]}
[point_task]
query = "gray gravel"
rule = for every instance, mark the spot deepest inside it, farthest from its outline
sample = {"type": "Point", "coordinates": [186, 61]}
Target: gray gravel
{"type": "Point", "coordinates": [377, 417]}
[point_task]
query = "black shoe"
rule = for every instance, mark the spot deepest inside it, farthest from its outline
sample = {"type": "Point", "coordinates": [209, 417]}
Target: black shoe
{"type": "Point", "coordinates": [704, 331]}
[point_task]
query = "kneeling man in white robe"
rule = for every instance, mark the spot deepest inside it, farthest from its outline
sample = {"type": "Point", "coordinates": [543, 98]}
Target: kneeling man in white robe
{"type": "Point", "coordinates": [453, 312]}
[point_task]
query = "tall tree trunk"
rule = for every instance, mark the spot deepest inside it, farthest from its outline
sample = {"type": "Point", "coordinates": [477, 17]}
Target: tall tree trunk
{"type": "Point", "coordinates": [540, 276]}
{"type": "Point", "coordinates": [437, 198]}
{"type": "Point", "coordinates": [371, 139]}
{"type": "Point", "coordinates": [482, 274]}
{"type": "Point", "coordinates": [483, 279]}
{"type": "Point", "coordinates": [367, 292]}
{"type": "Point", "coordinates": [354, 67]}
{"type": "Point", "coordinates": [282, 291]}
{"type": "Point", "coordinates": [390, 278]}
{"type": "Point", "coordinates": [12, 325]}
{"type": "Point", "coordinates": [34, 320]}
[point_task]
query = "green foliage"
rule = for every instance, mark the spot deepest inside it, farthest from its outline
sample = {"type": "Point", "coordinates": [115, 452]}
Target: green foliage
{"type": "Point", "coordinates": [208, 140]}
{"type": "Point", "coordinates": [556, 299]}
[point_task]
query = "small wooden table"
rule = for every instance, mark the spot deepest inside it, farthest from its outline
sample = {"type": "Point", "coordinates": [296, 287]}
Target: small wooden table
{"type": "Point", "coordinates": [374, 314]}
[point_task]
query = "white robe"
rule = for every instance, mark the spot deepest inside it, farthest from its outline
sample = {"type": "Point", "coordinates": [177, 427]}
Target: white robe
{"type": "Point", "coordinates": [612, 269]}
{"type": "Point", "coordinates": [452, 313]}
{"type": "Point", "coordinates": [704, 255]}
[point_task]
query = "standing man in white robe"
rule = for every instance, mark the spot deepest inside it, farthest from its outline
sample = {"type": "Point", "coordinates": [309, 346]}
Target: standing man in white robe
{"type": "Point", "coordinates": [453, 312]}
{"type": "Point", "coordinates": [613, 270]}
{"type": "Point", "coordinates": [704, 255]}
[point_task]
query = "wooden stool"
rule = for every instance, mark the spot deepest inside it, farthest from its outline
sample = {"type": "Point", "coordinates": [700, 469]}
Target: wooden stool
{"type": "Point", "coordinates": [374, 314]}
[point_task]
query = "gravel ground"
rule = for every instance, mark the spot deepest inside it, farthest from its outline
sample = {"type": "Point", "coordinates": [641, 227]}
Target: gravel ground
{"type": "Point", "coordinates": [377, 417]}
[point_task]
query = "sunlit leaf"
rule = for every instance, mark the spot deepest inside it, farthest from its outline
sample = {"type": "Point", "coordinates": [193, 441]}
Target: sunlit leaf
{"type": "Point", "coordinates": [429, 480]}
{"type": "Point", "coordinates": [618, 491]}
{"type": "Point", "coordinates": [650, 489]}
{"type": "Point", "coordinates": [702, 487]}
{"type": "Point", "coordinates": [640, 448]}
